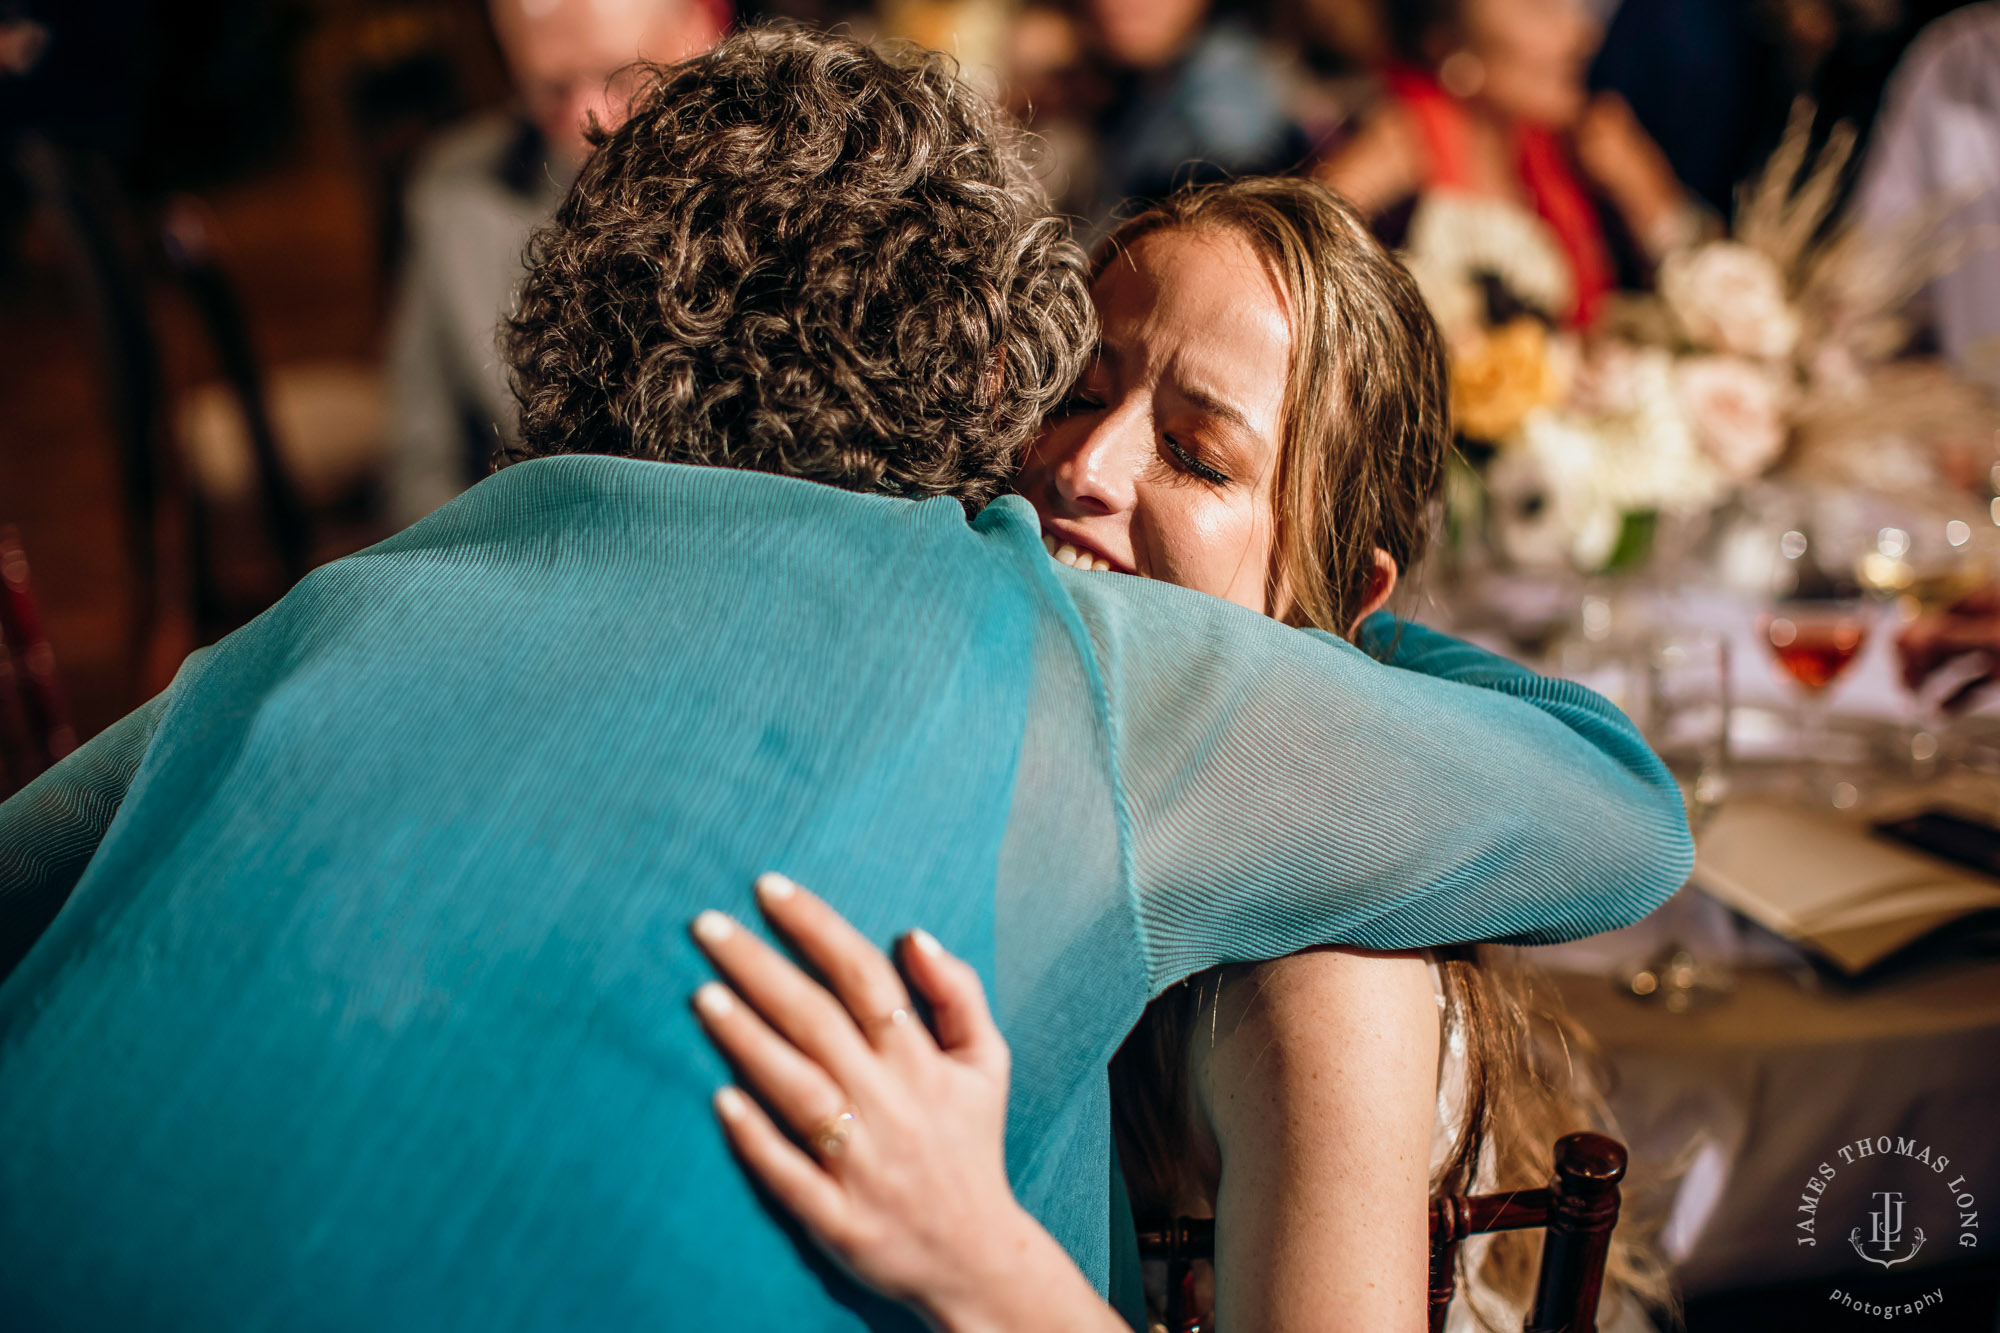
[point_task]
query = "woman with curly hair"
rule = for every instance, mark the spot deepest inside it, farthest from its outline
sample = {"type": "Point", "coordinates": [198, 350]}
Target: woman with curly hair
{"type": "Point", "coordinates": [362, 1002]}
{"type": "Point", "coordinates": [1265, 422]}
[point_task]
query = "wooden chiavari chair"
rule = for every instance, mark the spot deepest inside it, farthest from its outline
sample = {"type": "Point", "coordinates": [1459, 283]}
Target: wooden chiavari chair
{"type": "Point", "coordinates": [1578, 1208]}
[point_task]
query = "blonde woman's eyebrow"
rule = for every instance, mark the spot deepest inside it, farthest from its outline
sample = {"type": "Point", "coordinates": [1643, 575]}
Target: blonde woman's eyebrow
{"type": "Point", "coordinates": [1215, 405]}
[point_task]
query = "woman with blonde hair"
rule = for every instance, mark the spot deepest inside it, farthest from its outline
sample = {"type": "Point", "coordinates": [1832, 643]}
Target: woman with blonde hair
{"type": "Point", "coordinates": [1265, 421]}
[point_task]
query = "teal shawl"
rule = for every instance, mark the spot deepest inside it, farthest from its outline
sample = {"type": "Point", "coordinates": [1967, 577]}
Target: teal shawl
{"type": "Point", "coordinates": [353, 969]}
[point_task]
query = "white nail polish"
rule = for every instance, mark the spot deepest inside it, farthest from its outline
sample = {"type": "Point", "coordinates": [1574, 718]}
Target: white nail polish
{"type": "Point", "coordinates": [926, 943]}
{"type": "Point", "coordinates": [714, 1000]}
{"type": "Point", "coordinates": [712, 927]}
{"type": "Point", "coordinates": [774, 888]}
{"type": "Point", "coordinates": [730, 1104]}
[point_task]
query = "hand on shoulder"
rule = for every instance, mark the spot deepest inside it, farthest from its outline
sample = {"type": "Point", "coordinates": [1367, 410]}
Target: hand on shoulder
{"type": "Point", "coordinates": [884, 1136]}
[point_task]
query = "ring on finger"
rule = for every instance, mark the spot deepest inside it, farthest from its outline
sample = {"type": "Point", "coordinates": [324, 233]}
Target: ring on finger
{"type": "Point", "coordinates": [829, 1139]}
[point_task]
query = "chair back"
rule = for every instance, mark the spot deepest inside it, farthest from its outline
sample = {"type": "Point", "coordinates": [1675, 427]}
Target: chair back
{"type": "Point", "coordinates": [35, 729]}
{"type": "Point", "coordinates": [188, 237]}
{"type": "Point", "coordinates": [81, 192]}
{"type": "Point", "coordinates": [1578, 1208]}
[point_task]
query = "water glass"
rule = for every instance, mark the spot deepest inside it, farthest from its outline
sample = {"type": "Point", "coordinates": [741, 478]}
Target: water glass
{"type": "Point", "coordinates": [1683, 707]}
{"type": "Point", "coordinates": [1682, 703]}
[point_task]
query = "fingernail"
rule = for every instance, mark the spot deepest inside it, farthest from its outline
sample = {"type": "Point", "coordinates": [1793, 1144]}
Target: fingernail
{"type": "Point", "coordinates": [712, 927]}
{"type": "Point", "coordinates": [714, 1000]}
{"type": "Point", "coordinates": [730, 1104]}
{"type": "Point", "coordinates": [774, 888]}
{"type": "Point", "coordinates": [925, 943]}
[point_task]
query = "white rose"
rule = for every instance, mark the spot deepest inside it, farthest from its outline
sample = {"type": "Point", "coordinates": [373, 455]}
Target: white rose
{"type": "Point", "coordinates": [1737, 410]}
{"type": "Point", "coordinates": [1607, 378]}
{"type": "Point", "coordinates": [1566, 480]}
{"type": "Point", "coordinates": [1727, 296]}
{"type": "Point", "coordinates": [1656, 462]}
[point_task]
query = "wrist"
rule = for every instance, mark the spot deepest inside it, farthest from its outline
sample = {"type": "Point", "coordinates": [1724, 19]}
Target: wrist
{"type": "Point", "coordinates": [1021, 1280]}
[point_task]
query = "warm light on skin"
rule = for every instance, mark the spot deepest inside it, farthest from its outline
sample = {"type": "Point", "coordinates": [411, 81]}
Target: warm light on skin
{"type": "Point", "coordinates": [1144, 34]}
{"type": "Point", "coordinates": [1197, 347]}
{"type": "Point", "coordinates": [563, 55]}
{"type": "Point", "coordinates": [1534, 54]}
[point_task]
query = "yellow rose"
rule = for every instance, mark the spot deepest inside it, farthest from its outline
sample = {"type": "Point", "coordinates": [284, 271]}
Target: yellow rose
{"type": "Point", "coordinates": [1496, 380]}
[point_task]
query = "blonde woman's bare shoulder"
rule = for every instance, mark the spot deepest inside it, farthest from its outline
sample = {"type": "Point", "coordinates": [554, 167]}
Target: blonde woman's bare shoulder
{"type": "Point", "coordinates": [1368, 1015]}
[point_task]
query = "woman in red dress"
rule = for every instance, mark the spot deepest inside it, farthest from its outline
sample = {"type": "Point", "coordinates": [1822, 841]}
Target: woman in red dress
{"type": "Point", "coordinates": [1486, 102]}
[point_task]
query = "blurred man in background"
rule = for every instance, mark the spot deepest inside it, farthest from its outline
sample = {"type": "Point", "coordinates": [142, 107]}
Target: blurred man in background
{"type": "Point", "coordinates": [1192, 97]}
{"type": "Point", "coordinates": [472, 203]}
{"type": "Point", "coordinates": [1933, 176]}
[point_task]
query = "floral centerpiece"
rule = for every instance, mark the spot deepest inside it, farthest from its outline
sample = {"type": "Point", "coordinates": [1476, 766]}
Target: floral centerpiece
{"type": "Point", "coordinates": [1766, 350]}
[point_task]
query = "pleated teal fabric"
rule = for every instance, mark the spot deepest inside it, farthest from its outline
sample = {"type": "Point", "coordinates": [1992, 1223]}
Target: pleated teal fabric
{"type": "Point", "coordinates": [354, 971]}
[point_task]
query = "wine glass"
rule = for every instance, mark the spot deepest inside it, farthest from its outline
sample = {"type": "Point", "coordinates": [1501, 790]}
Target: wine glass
{"type": "Point", "coordinates": [1817, 621]}
{"type": "Point", "coordinates": [1923, 561]}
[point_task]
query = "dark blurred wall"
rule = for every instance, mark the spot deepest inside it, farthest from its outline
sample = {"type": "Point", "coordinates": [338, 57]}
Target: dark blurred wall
{"type": "Point", "coordinates": [175, 94]}
{"type": "Point", "coordinates": [1713, 80]}
{"type": "Point", "coordinates": [1697, 73]}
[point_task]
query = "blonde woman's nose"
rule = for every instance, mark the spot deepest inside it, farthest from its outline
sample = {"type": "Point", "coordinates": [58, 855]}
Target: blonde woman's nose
{"type": "Point", "coordinates": [1100, 475]}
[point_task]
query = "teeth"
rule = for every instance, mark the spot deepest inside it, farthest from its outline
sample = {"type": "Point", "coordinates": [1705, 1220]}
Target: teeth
{"type": "Point", "coordinates": [1072, 557]}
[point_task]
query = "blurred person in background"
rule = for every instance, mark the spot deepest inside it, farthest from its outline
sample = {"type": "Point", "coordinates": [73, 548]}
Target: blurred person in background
{"type": "Point", "coordinates": [1933, 167]}
{"type": "Point", "coordinates": [1189, 97]}
{"type": "Point", "coordinates": [1488, 99]}
{"type": "Point", "coordinates": [471, 205]}
{"type": "Point", "coordinates": [1340, 44]}
{"type": "Point", "coordinates": [1052, 87]}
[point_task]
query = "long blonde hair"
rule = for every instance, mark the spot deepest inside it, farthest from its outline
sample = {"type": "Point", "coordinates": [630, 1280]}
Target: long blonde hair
{"type": "Point", "coordinates": [1366, 421]}
{"type": "Point", "coordinates": [1367, 433]}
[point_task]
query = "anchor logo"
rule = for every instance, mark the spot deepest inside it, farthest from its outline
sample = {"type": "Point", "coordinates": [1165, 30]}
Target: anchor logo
{"type": "Point", "coordinates": [1885, 1231]}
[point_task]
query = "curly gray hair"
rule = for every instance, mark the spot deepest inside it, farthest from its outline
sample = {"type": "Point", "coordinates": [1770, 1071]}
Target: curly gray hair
{"type": "Point", "coordinates": [805, 255]}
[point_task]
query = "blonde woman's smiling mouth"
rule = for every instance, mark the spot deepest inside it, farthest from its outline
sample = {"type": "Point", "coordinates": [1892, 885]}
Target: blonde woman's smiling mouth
{"type": "Point", "coordinates": [1067, 550]}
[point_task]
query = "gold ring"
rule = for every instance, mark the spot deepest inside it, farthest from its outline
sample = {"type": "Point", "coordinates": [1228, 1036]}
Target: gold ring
{"type": "Point", "coordinates": [830, 1139]}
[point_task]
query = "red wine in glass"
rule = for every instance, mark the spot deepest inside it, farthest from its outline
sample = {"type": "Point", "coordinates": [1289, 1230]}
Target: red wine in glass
{"type": "Point", "coordinates": [1814, 646]}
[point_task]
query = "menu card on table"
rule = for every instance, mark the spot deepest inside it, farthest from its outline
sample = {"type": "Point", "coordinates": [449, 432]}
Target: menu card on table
{"type": "Point", "coordinates": [1851, 895]}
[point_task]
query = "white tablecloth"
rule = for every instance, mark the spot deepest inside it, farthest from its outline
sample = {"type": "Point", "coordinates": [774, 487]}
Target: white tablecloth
{"type": "Point", "coordinates": [1753, 1090]}
{"type": "Point", "coordinates": [1748, 1093]}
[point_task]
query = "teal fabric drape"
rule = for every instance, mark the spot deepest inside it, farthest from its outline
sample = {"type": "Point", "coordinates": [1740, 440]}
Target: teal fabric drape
{"type": "Point", "coordinates": [353, 973]}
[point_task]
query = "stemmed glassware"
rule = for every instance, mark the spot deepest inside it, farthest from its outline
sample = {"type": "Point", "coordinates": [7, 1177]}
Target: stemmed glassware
{"type": "Point", "coordinates": [1683, 702]}
{"type": "Point", "coordinates": [1816, 623]}
{"type": "Point", "coordinates": [1922, 561]}
{"type": "Point", "coordinates": [1685, 716]}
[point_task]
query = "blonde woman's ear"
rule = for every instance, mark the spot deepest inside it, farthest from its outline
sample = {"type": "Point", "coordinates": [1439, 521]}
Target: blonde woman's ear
{"type": "Point", "coordinates": [1381, 585]}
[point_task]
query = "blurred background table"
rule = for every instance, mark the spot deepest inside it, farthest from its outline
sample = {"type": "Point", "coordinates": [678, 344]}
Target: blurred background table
{"type": "Point", "coordinates": [1754, 1084]}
